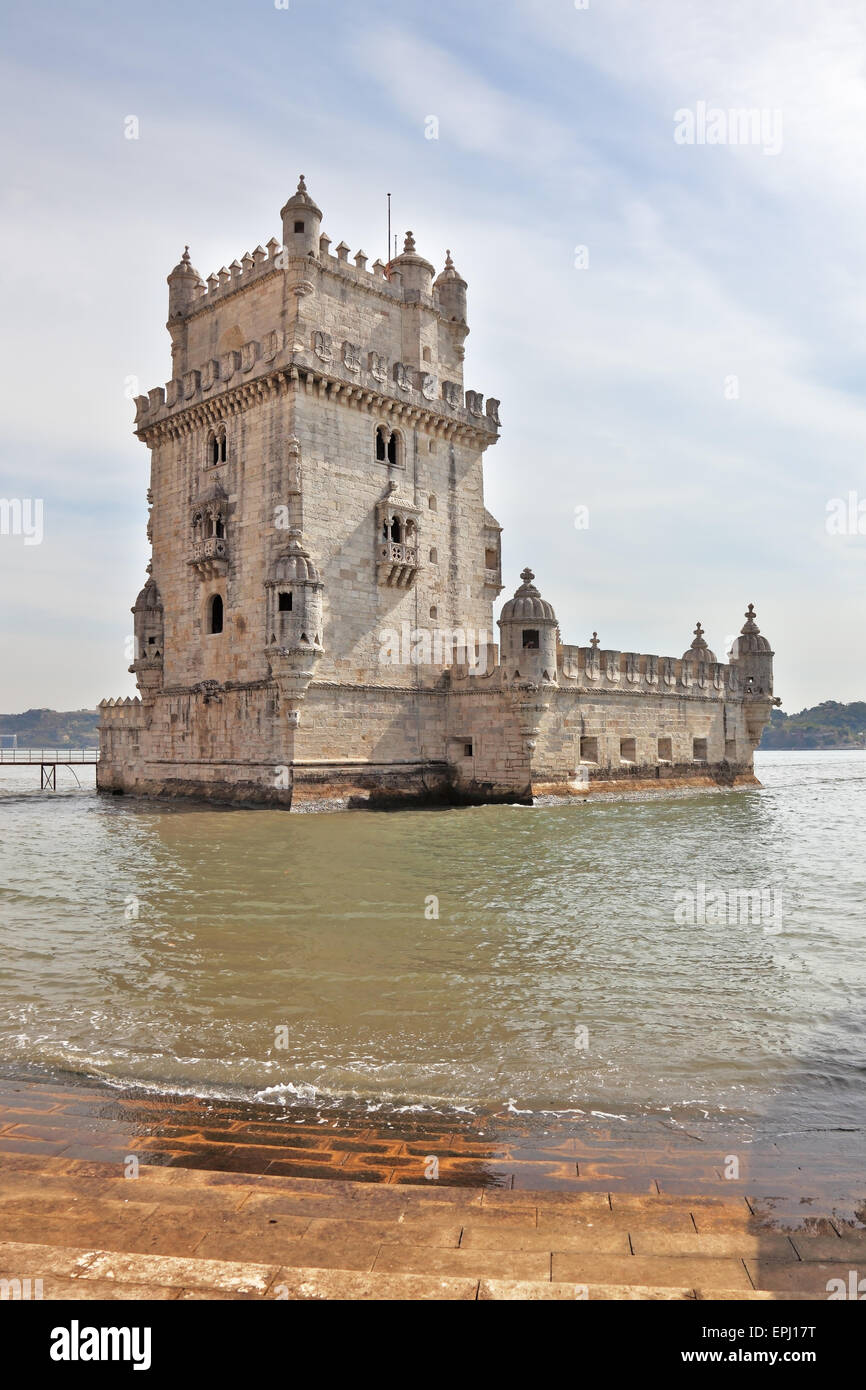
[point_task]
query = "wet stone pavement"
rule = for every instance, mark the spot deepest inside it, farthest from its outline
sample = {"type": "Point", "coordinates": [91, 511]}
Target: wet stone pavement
{"type": "Point", "coordinates": [121, 1194]}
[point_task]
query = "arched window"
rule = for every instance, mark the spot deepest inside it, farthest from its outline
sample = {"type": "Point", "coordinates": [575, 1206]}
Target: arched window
{"type": "Point", "coordinates": [219, 526]}
{"type": "Point", "coordinates": [284, 603]}
{"type": "Point", "coordinates": [223, 443]}
{"type": "Point", "coordinates": [381, 443]}
{"type": "Point", "coordinates": [392, 449]}
{"type": "Point", "coordinates": [215, 614]}
{"type": "Point", "coordinates": [395, 529]}
{"type": "Point", "coordinates": [434, 556]}
{"type": "Point", "coordinates": [431, 502]}
{"type": "Point", "coordinates": [213, 448]}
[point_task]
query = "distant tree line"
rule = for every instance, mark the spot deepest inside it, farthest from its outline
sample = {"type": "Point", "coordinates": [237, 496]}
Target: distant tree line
{"type": "Point", "coordinates": [51, 728]}
{"type": "Point", "coordinates": [830, 725]}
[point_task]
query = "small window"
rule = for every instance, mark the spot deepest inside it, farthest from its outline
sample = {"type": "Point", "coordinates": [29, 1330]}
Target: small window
{"type": "Point", "coordinates": [380, 444]}
{"type": "Point", "coordinates": [431, 503]}
{"type": "Point", "coordinates": [434, 556]}
{"type": "Point", "coordinates": [530, 637]}
{"type": "Point", "coordinates": [392, 449]}
{"type": "Point", "coordinates": [467, 749]}
{"type": "Point", "coordinates": [215, 615]}
{"type": "Point", "coordinates": [627, 750]}
{"type": "Point", "coordinates": [491, 560]}
{"type": "Point", "coordinates": [396, 532]}
{"type": "Point", "coordinates": [700, 750]}
{"type": "Point", "coordinates": [213, 444]}
{"type": "Point", "coordinates": [589, 750]}
{"type": "Point", "coordinates": [431, 446]}
{"type": "Point", "coordinates": [220, 528]}
{"type": "Point", "coordinates": [284, 603]}
{"type": "Point", "coordinates": [299, 226]}
{"type": "Point", "coordinates": [666, 752]}
{"type": "Point", "coordinates": [434, 611]}
{"type": "Point", "coordinates": [427, 355]}
{"type": "Point", "coordinates": [222, 446]}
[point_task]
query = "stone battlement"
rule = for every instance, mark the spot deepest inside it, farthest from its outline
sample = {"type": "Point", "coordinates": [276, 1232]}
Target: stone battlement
{"type": "Point", "coordinates": [598, 668]}
{"type": "Point", "coordinates": [369, 375]}
{"type": "Point", "coordinates": [381, 278]}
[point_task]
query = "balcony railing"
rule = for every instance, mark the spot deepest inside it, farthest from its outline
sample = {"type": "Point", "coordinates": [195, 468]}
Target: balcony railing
{"type": "Point", "coordinates": [210, 556]}
{"type": "Point", "coordinates": [392, 553]}
{"type": "Point", "coordinates": [212, 548]}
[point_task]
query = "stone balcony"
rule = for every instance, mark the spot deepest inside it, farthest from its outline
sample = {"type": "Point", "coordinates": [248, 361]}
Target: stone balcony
{"type": "Point", "coordinates": [210, 556]}
{"type": "Point", "coordinates": [397, 564]}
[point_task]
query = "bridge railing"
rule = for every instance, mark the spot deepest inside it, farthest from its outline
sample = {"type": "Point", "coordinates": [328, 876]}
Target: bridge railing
{"type": "Point", "coordinates": [78, 756]}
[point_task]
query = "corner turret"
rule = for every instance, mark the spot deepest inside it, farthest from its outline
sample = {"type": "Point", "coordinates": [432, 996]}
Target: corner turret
{"type": "Point", "coordinates": [416, 274]}
{"type": "Point", "coordinates": [450, 291]}
{"type": "Point", "coordinates": [528, 626]}
{"type": "Point", "coordinates": [752, 658]}
{"type": "Point", "coordinates": [184, 286]}
{"type": "Point", "coordinates": [302, 223]}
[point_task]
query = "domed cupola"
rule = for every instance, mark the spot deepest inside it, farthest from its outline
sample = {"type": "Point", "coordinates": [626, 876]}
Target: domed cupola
{"type": "Point", "coordinates": [416, 273]}
{"type": "Point", "coordinates": [450, 289]}
{"type": "Point", "coordinates": [302, 222]}
{"type": "Point", "coordinates": [184, 286]}
{"type": "Point", "coordinates": [752, 659]}
{"type": "Point", "coordinates": [148, 628]}
{"type": "Point", "coordinates": [750, 640]}
{"type": "Point", "coordinates": [699, 651]}
{"type": "Point", "coordinates": [527, 626]}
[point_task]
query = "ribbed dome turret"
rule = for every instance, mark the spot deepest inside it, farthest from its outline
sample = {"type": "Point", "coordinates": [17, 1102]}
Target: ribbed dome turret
{"type": "Point", "coordinates": [302, 223]}
{"type": "Point", "coordinates": [527, 603]}
{"type": "Point", "coordinates": [301, 201]}
{"type": "Point", "coordinates": [416, 272]}
{"type": "Point", "coordinates": [184, 285]}
{"type": "Point", "coordinates": [699, 651]}
{"type": "Point", "coordinates": [450, 290]}
{"type": "Point", "coordinates": [294, 565]}
{"type": "Point", "coordinates": [148, 598]}
{"type": "Point", "coordinates": [750, 639]}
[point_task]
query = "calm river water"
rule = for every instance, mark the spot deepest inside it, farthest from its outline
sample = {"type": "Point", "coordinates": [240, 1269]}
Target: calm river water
{"type": "Point", "coordinates": [554, 958]}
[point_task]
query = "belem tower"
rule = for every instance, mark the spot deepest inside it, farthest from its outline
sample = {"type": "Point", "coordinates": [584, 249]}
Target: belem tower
{"type": "Point", "coordinates": [317, 621]}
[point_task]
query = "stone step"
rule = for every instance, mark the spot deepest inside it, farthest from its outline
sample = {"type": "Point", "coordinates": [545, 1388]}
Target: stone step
{"type": "Point", "coordinates": [185, 1229]}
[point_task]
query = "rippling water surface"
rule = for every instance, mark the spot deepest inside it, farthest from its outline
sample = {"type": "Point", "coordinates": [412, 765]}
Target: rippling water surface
{"type": "Point", "coordinates": [178, 947]}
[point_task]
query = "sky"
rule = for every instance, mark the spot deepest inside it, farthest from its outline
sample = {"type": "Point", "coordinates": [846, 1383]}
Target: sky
{"type": "Point", "coordinates": [673, 317]}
